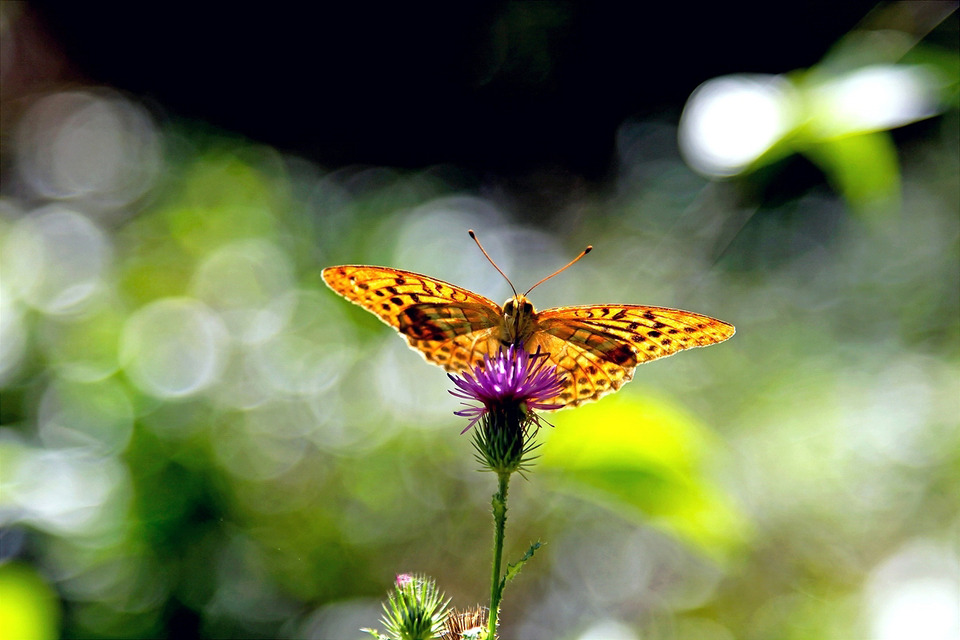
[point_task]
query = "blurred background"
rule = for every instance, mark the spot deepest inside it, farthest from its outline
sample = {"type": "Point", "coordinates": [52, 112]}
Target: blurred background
{"type": "Point", "coordinates": [200, 440]}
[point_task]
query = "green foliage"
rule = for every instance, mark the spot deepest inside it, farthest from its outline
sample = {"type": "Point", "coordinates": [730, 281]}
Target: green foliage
{"type": "Point", "coordinates": [513, 569]}
{"type": "Point", "coordinates": [864, 168]}
{"type": "Point", "coordinates": [836, 113]}
{"type": "Point", "coordinates": [28, 606]}
{"type": "Point", "coordinates": [646, 458]}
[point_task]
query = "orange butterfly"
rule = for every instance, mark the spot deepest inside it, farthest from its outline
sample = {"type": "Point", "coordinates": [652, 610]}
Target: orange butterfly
{"type": "Point", "coordinates": [596, 346]}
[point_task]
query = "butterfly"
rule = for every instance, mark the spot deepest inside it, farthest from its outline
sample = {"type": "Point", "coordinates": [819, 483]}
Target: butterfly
{"type": "Point", "coordinates": [596, 347]}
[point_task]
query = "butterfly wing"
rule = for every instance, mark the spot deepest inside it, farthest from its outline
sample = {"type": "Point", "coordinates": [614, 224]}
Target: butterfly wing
{"type": "Point", "coordinates": [451, 326]}
{"type": "Point", "coordinates": [600, 346]}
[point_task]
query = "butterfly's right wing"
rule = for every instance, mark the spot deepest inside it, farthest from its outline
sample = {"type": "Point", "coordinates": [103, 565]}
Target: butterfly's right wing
{"type": "Point", "coordinates": [451, 326]}
{"type": "Point", "coordinates": [599, 346]}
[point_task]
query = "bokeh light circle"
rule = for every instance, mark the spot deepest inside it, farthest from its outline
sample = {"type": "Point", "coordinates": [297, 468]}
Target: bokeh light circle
{"type": "Point", "coordinates": [56, 259]}
{"type": "Point", "coordinates": [83, 348]}
{"type": "Point", "coordinates": [874, 98]}
{"type": "Point", "coordinates": [13, 334]}
{"type": "Point", "coordinates": [87, 144]}
{"type": "Point", "coordinates": [97, 415]}
{"type": "Point", "coordinates": [67, 491]}
{"type": "Point", "coordinates": [731, 121]}
{"type": "Point", "coordinates": [246, 282]}
{"type": "Point", "coordinates": [174, 347]}
{"type": "Point", "coordinates": [914, 593]}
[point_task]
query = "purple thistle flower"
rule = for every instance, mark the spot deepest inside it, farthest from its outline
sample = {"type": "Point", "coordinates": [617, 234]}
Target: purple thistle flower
{"type": "Point", "coordinates": [512, 379]}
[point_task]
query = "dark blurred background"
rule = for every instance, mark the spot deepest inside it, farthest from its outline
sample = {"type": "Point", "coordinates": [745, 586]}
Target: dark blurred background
{"type": "Point", "coordinates": [198, 439]}
{"type": "Point", "coordinates": [504, 87]}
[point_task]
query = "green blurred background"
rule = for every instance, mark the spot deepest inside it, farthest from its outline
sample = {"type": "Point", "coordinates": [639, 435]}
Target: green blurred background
{"type": "Point", "coordinates": [200, 440]}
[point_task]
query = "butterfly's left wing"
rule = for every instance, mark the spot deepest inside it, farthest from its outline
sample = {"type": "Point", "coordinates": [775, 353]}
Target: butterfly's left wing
{"type": "Point", "coordinates": [599, 346]}
{"type": "Point", "coordinates": [449, 325]}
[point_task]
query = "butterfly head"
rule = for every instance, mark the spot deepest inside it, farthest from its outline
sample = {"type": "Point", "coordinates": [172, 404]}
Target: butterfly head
{"type": "Point", "coordinates": [518, 315]}
{"type": "Point", "coordinates": [519, 320]}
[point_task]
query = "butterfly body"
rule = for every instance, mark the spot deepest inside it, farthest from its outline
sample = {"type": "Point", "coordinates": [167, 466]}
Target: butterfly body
{"type": "Point", "coordinates": [595, 347]}
{"type": "Point", "coordinates": [519, 321]}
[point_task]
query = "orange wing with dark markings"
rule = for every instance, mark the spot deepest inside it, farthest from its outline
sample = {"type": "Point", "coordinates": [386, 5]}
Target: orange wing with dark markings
{"type": "Point", "coordinates": [449, 325]}
{"type": "Point", "coordinates": [601, 345]}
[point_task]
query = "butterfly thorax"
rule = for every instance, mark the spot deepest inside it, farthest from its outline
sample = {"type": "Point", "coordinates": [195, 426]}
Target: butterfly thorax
{"type": "Point", "coordinates": [519, 320]}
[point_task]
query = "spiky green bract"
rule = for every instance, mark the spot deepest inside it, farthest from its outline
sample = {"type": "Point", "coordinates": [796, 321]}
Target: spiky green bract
{"type": "Point", "coordinates": [415, 610]}
{"type": "Point", "coordinates": [504, 440]}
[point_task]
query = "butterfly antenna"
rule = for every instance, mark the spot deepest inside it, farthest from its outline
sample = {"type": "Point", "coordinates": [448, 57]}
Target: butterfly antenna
{"type": "Point", "coordinates": [487, 256]}
{"type": "Point", "coordinates": [569, 264]}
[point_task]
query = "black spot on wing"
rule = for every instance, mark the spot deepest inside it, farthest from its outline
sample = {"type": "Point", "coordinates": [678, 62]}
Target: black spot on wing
{"type": "Point", "coordinates": [416, 322]}
{"type": "Point", "coordinates": [425, 321]}
{"type": "Point", "coordinates": [622, 355]}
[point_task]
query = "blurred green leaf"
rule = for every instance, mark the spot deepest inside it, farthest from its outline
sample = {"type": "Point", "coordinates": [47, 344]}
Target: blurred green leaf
{"type": "Point", "coordinates": [645, 457]}
{"type": "Point", "coordinates": [864, 168]}
{"type": "Point", "coordinates": [947, 65]}
{"type": "Point", "coordinates": [28, 606]}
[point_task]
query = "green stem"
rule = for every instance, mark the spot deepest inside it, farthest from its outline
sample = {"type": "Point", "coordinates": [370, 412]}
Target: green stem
{"type": "Point", "coordinates": [500, 523]}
